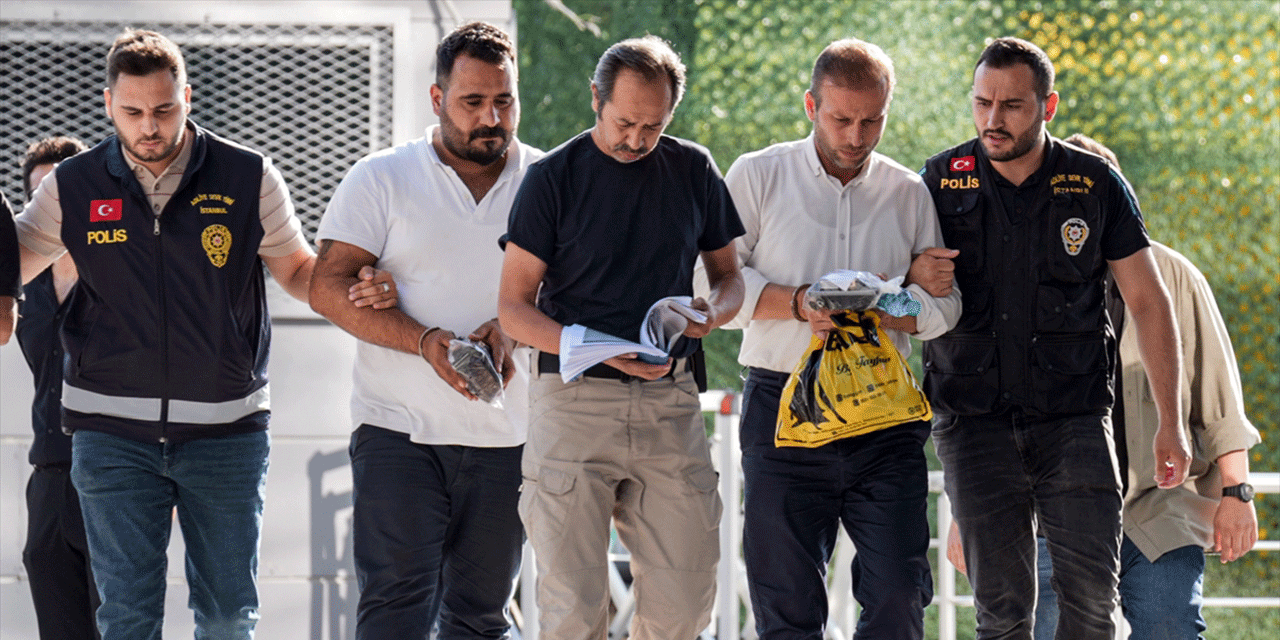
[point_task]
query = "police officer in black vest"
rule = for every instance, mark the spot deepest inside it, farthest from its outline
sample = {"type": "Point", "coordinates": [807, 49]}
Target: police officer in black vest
{"type": "Point", "coordinates": [1023, 385]}
{"type": "Point", "coordinates": [167, 336]}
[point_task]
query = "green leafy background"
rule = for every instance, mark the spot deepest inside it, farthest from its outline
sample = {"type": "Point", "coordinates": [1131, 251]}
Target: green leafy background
{"type": "Point", "coordinates": [1185, 93]}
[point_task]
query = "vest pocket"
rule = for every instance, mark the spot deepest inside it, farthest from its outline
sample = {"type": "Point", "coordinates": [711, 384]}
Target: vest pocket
{"type": "Point", "coordinates": [960, 375]}
{"type": "Point", "coordinates": [975, 314]}
{"type": "Point", "coordinates": [1074, 249]}
{"type": "Point", "coordinates": [1071, 374]}
{"type": "Point", "coordinates": [962, 229]}
{"type": "Point", "coordinates": [1068, 308]}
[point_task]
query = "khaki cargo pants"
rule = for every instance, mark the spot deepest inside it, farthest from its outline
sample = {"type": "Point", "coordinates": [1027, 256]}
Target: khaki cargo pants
{"type": "Point", "coordinates": [637, 452]}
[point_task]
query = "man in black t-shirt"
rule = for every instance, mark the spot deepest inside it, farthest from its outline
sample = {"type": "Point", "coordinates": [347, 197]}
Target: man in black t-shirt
{"type": "Point", "coordinates": [56, 553]}
{"type": "Point", "coordinates": [602, 227]}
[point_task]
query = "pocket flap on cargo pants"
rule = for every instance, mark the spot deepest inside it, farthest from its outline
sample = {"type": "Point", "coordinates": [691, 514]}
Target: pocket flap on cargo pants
{"type": "Point", "coordinates": [555, 481]}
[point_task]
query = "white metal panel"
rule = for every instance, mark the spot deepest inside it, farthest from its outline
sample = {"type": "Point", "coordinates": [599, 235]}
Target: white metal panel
{"type": "Point", "coordinates": [13, 505]}
{"type": "Point", "coordinates": [15, 393]}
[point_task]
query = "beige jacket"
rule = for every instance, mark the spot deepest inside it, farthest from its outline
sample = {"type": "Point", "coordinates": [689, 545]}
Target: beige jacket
{"type": "Point", "coordinates": [1157, 520]}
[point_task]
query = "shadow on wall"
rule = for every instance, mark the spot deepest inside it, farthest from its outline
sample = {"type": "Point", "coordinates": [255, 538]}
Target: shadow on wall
{"type": "Point", "coordinates": [334, 592]}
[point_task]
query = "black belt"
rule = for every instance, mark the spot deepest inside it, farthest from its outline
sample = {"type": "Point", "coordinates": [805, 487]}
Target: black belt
{"type": "Point", "coordinates": [550, 363]}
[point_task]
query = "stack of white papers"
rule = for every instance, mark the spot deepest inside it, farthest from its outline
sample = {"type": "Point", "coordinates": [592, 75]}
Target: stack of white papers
{"type": "Point", "coordinates": [582, 348]}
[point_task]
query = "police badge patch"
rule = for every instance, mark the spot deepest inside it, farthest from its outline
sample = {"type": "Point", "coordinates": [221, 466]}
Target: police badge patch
{"type": "Point", "coordinates": [216, 240]}
{"type": "Point", "coordinates": [1074, 233]}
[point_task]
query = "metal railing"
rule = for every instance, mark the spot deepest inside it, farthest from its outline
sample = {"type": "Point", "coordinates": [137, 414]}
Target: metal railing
{"type": "Point", "coordinates": [732, 618]}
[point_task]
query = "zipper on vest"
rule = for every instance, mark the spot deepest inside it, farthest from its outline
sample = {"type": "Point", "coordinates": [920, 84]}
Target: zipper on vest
{"type": "Point", "coordinates": [164, 335]}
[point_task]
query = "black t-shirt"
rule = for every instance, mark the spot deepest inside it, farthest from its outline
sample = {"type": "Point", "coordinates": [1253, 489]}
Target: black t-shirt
{"type": "Point", "coordinates": [1124, 233]}
{"type": "Point", "coordinates": [10, 264]}
{"type": "Point", "coordinates": [616, 237]}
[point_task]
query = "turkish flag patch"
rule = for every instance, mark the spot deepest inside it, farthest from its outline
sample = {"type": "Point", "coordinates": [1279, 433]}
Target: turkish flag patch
{"type": "Point", "coordinates": [962, 164]}
{"type": "Point", "coordinates": [105, 210]}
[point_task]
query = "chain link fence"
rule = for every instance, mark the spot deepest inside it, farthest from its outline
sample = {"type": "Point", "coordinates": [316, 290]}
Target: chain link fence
{"type": "Point", "coordinates": [314, 98]}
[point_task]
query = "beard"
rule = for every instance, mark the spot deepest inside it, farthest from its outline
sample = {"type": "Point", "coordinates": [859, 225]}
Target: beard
{"type": "Point", "coordinates": [1022, 145]}
{"type": "Point", "coordinates": [460, 143]}
{"type": "Point", "coordinates": [831, 154]}
{"type": "Point", "coordinates": [860, 157]}
{"type": "Point", "coordinates": [168, 150]}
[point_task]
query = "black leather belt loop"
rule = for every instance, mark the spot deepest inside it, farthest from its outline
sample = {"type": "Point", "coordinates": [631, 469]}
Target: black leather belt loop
{"type": "Point", "coordinates": [550, 363]}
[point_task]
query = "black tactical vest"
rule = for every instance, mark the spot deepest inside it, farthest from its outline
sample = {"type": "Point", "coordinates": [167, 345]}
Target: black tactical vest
{"type": "Point", "coordinates": [167, 333]}
{"type": "Point", "coordinates": [1034, 332]}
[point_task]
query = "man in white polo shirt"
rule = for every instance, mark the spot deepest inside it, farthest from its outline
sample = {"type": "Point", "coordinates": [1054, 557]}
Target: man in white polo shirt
{"type": "Point", "coordinates": [436, 472]}
{"type": "Point", "coordinates": [812, 206]}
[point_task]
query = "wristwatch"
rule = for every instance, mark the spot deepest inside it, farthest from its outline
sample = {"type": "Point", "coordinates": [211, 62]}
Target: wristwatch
{"type": "Point", "coordinates": [1243, 491]}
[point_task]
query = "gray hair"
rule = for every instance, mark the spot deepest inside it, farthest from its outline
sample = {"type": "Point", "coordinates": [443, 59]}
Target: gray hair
{"type": "Point", "coordinates": [649, 56]}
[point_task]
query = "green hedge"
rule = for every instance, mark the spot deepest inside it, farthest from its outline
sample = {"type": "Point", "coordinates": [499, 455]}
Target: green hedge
{"type": "Point", "coordinates": [1185, 93]}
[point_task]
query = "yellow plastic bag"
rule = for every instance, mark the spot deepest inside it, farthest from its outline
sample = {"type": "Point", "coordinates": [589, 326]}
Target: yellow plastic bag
{"type": "Point", "coordinates": [852, 383]}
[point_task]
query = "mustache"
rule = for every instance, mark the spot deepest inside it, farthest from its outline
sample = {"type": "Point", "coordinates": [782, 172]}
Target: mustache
{"type": "Point", "coordinates": [488, 132]}
{"type": "Point", "coordinates": [625, 149]}
{"type": "Point", "coordinates": [999, 132]}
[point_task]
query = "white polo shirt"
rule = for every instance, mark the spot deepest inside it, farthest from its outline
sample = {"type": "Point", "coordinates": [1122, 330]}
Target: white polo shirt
{"type": "Point", "coordinates": [802, 224]}
{"type": "Point", "coordinates": [410, 209]}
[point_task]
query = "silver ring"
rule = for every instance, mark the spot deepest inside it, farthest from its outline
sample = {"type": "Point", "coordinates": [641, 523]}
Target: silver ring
{"type": "Point", "coordinates": [386, 287]}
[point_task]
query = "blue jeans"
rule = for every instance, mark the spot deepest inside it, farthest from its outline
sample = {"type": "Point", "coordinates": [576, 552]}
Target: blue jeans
{"type": "Point", "coordinates": [1161, 600]}
{"type": "Point", "coordinates": [437, 536]}
{"type": "Point", "coordinates": [1002, 472]}
{"type": "Point", "coordinates": [1046, 598]}
{"type": "Point", "coordinates": [875, 484]}
{"type": "Point", "coordinates": [128, 491]}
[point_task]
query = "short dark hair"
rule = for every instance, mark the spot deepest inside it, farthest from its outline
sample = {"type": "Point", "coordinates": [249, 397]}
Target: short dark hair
{"type": "Point", "coordinates": [1094, 147]}
{"type": "Point", "coordinates": [1003, 53]}
{"type": "Point", "coordinates": [142, 53]}
{"type": "Point", "coordinates": [48, 151]}
{"type": "Point", "coordinates": [650, 56]}
{"type": "Point", "coordinates": [479, 40]}
{"type": "Point", "coordinates": [853, 64]}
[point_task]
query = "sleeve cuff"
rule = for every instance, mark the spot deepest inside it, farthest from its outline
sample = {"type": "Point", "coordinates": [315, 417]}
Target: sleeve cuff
{"type": "Point", "coordinates": [754, 284]}
{"type": "Point", "coordinates": [933, 320]}
{"type": "Point", "coordinates": [1228, 434]}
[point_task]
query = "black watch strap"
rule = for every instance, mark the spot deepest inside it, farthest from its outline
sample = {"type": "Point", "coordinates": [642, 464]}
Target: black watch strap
{"type": "Point", "coordinates": [1243, 491]}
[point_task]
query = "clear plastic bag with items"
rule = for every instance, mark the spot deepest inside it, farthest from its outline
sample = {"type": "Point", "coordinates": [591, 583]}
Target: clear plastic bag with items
{"type": "Point", "coordinates": [472, 361]}
{"type": "Point", "coordinates": [848, 290]}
